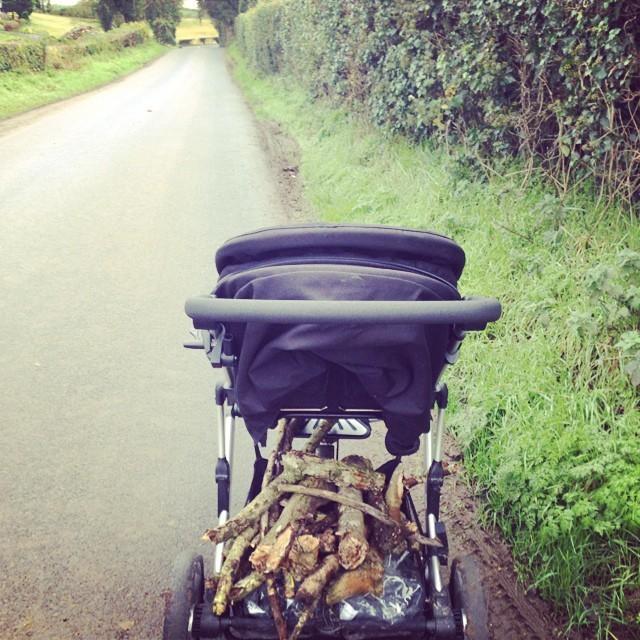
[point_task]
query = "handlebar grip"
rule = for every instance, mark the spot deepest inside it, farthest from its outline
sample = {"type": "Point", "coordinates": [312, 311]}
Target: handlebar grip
{"type": "Point", "coordinates": [472, 314]}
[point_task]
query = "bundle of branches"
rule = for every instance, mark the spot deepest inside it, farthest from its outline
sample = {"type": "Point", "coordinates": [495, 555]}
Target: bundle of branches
{"type": "Point", "coordinates": [318, 530]}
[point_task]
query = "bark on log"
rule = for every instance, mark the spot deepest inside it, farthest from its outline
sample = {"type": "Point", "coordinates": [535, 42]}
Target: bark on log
{"type": "Point", "coordinates": [267, 558]}
{"type": "Point", "coordinates": [322, 428]}
{"type": "Point", "coordinates": [230, 568]}
{"type": "Point", "coordinates": [353, 547]}
{"type": "Point", "coordinates": [385, 537]}
{"type": "Point", "coordinates": [313, 585]}
{"type": "Point", "coordinates": [276, 608]}
{"type": "Point", "coordinates": [394, 493]}
{"type": "Point", "coordinates": [365, 579]}
{"type": "Point", "coordinates": [405, 528]}
{"type": "Point", "coordinates": [247, 585]}
{"type": "Point", "coordinates": [310, 592]}
{"type": "Point", "coordinates": [297, 463]}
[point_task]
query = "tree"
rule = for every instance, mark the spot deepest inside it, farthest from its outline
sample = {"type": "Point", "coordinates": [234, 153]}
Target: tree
{"type": "Point", "coordinates": [22, 7]}
{"type": "Point", "coordinates": [223, 13]}
{"type": "Point", "coordinates": [113, 12]}
{"type": "Point", "coordinates": [164, 17]}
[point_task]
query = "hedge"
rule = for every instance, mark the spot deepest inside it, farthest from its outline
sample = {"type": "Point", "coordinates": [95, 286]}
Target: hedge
{"type": "Point", "coordinates": [555, 82]}
{"type": "Point", "coordinates": [23, 55]}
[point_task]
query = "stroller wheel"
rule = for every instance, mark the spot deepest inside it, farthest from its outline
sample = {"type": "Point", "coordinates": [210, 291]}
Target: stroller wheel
{"type": "Point", "coordinates": [187, 590]}
{"type": "Point", "coordinates": [467, 598]}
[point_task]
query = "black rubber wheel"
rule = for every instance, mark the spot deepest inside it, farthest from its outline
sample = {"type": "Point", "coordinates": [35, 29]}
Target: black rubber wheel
{"type": "Point", "coordinates": [187, 589]}
{"type": "Point", "coordinates": [467, 598]}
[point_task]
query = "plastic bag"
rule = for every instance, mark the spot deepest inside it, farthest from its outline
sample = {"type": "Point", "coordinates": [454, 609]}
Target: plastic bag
{"type": "Point", "coordinates": [402, 598]}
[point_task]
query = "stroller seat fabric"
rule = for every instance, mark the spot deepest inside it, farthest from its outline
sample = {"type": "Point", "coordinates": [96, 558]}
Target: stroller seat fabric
{"type": "Point", "coordinates": [391, 369]}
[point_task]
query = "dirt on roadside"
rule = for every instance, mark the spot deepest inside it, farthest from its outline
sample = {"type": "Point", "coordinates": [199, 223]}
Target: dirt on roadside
{"type": "Point", "coordinates": [514, 613]}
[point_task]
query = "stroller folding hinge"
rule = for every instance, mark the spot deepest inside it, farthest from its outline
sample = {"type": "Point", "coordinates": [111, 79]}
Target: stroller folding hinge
{"type": "Point", "coordinates": [220, 352]}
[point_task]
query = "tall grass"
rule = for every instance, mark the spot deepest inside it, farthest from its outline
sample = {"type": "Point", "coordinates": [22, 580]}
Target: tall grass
{"type": "Point", "coordinates": [542, 402]}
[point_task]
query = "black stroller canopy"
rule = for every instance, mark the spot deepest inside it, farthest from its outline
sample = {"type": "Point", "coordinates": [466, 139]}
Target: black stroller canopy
{"type": "Point", "coordinates": [366, 244]}
{"type": "Point", "coordinates": [391, 369]}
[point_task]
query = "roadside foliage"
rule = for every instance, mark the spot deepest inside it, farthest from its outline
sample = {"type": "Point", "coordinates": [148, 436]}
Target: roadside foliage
{"type": "Point", "coordinates": [546, 402]}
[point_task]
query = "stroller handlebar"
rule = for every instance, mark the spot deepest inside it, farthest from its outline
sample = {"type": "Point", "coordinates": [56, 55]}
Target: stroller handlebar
{"type": "Point", "coordinates": [469, 314]}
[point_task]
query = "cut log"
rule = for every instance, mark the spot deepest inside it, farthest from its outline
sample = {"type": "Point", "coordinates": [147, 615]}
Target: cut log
{"type": "Point", "coordinates": [328, 541]}
{"type": "Point", "coordinates": [313, 585]}
{"type": "Point", "coordinates": [276, 608]}
{"type": "Point", "coordinates": [267, 558]}
{"type": "Point", "coordinates": [299, 464]}
{"type": "Point", "coordinates": [303, 557]}
{"type": "Point", "coordinates": [365, 579]}
{"type": "Point", "coordinates": [230, 568]}
{"type": "Point", "coordinates": [353, 547]}
{"type": "Point", "coordinates": [369, 510]}
{"type": "Point", "coordinates": [394, 493]}
{"type": "Point", "coordinates": [310, 592]}
{"type": "Point", "coordinates": [247, 585]}
{"type": "Point", "coordinates": [385, 537]}
{"type": "Point", "coordinates": [322, 428]}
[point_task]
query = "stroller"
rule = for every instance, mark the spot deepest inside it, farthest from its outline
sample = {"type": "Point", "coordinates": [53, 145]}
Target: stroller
{"type": "Point", "coordinates": [355, 324]}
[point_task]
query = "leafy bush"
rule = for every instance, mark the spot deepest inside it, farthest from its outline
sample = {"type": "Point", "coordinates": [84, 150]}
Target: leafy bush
{"type": "Point", "coordinates": [25, 55]}
{"type": "Point", "coordinates": [163, 17]}
{"type": "Point", "coordinates": [556, 82]}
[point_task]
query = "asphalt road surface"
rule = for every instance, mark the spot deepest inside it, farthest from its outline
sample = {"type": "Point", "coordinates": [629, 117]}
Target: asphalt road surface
{"type": "Point", "coordinates": [112, 205]}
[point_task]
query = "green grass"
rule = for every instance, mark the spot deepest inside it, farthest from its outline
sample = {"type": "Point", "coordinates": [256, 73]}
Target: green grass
{"type": "Point", "coordinates": [57, 26]}
{"type": "Point", "coordinates": [22, 91]}
{"type": "Point", "coordinates": [541, 401]}
{"type": "Point", "coordinates": [191, 28]}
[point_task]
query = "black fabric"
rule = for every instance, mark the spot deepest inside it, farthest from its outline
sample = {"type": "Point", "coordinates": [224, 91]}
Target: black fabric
{"type": "Point", "coordinates": [336, 367]}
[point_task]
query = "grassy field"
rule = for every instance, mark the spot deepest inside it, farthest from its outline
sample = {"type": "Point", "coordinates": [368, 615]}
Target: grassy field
{"type": "Point", "coordinates": [543, 401]}
{"type": "Point", "coordinates": [56, 26]}
{"type": "Point", "coordinates": [191, 28]}
{"type": "Point", "coordinates": [22, 91]}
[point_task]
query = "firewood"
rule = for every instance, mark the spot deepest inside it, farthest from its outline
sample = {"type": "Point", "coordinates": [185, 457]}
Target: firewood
{"type": "Point", "coordinates": [367, 578]}
{"type": "Point", "coordinates": [303, 556]}
{"type": "Point", "coordinates": [310, 592]}
{"type": "Point", "coordinates": [230, 568]}
{"type": "Point", "coordinates": [369, 510]}
{"type": "Point", "coordinates": [328, 541]}
{"type": "Point", "coordinates": [247, 585]}
{"type": "Point", "coordinates": [250, 514]}
{"type": "Point", "coordinates": [313, 585]}
{"type": "Point", "coordinates": [267, 558]}
{"type": "Point", "coordinates": [289, 584]}
{"type": "Point", "coordinates": [322, 428]}
{"type": "Point", "coordinates": [297, 463]}
{"type": "Point", "coordinates": [385, 537]}
{"type": "Point", "coordinates": [276, 608]}
{"type": "Point", "coordinates": [353, 546]}
{"type": "Point", "coordinates": [394, 493]}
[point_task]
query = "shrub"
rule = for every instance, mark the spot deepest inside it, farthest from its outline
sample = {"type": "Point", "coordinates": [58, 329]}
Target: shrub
{"type": "Point", "coordinates": [557, 83]}
{"type": "Point", "coordinates": [22, 55]}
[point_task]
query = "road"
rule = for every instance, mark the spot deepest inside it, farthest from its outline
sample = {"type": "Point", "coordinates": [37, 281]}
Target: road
{"type": "Point", "coordinates": [112, 206]}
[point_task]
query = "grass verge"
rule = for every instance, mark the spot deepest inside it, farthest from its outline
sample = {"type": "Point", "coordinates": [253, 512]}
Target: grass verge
{"type": "Point", "coordinates": [23, 91]}
{"type": "Point", "coordinates": [543, 401]}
